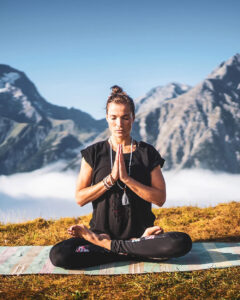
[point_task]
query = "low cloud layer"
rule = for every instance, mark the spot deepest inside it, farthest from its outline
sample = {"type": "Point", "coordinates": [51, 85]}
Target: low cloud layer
{"type": "Point", "coordinates": [50, 194]}
{"type": "Point", "coordinates": [42, 184]}
{"type": "Point", "coordinates": [201, 188]}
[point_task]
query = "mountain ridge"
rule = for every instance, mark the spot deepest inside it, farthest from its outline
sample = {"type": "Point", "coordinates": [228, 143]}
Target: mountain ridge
{"type": "Point", "coordinates": [35, 132]}
{"type": "Point", "coordinates": [192, 127]}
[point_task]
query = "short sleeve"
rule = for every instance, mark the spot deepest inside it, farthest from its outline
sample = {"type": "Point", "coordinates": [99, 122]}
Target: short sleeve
{"type": "Point", "coordinates": [155, 158]}
{"type": "Point", "coordinates": [88, 155]}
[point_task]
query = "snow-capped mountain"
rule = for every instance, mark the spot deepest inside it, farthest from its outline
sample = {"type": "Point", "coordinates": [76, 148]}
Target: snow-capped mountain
{"type": "Point", "coordinates": [156, 96]}
{"type": "Point", "coordinates": [34, 132]}
{"type": "Point", "coordinates": [190, 126]}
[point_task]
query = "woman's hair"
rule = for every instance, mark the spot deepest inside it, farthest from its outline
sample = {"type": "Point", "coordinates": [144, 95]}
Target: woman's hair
{"type": "Point", "coordinates": [119, 96]}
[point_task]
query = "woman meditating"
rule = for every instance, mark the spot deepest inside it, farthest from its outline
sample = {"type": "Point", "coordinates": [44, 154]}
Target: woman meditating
{"type": "Point", "coordinates": [122, 178]}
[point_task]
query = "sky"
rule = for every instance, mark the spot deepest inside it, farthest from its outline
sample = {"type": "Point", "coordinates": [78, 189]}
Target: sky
{"type": "Point", "coordinates": [75, 50]}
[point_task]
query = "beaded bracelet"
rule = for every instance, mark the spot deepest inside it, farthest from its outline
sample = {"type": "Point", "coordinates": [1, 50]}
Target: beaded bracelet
{"type": "Point", "coordinates": [107, 186]}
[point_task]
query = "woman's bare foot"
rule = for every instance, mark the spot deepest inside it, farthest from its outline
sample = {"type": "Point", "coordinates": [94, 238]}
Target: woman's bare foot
{"type": "Point", "coordinates": [155, 230]}
{"type": "Point", "coordinates": [102, 240]}
{"type": "Point", "coordinates": [104, 236]}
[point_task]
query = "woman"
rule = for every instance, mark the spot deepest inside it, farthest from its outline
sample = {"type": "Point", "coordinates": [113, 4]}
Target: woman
{"type": "Point", "coordinates": [122, 178]}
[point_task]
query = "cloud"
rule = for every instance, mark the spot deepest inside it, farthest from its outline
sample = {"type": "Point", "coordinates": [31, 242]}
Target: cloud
{"type": "Point", "coordinates": [197, 187]}
{"type": "Point", "coordinates": [49, 193]}
{"type": "Point", "coordinates": [42, 184]}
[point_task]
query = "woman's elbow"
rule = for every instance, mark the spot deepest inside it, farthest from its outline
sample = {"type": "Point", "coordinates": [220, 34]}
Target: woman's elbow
{"type": "Point", "coordinates": [79, 199]}
{"type": "Point", "coordinates": [161, 199]}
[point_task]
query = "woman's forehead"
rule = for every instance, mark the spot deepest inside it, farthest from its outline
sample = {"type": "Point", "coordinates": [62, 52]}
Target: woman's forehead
{"type": "Point", "coordinates": [118, 109]}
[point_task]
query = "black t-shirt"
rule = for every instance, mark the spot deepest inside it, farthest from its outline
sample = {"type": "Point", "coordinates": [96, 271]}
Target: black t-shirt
{"type": "Point", "coordinates": [109, 215]}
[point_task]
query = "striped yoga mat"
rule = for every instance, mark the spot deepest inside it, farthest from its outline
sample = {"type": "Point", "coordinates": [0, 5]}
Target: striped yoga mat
{"type": "Point", "coordinates": [35, 260]}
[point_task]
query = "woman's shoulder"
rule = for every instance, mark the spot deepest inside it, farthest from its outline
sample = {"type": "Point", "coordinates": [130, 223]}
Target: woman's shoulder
{"type": "Point", "coordinates": [153, 155]}
{"type": "Point", "coordinates": [96, 145]}
{"type": "Point", "coordinates": [91, 152]}
{"type": "Point", "coordinates": [145, 146]}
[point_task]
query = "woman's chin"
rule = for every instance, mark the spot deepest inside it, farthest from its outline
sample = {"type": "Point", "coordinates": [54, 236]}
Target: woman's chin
{"type": "Point", "coordinates": [121, 136]}
{"type": "Point", "coordinates": [118, 133]}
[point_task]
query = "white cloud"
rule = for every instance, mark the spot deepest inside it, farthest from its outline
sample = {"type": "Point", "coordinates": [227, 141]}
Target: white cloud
{"type": "Point", "coordinates": [40, 184]}
{"type": "Point", "coordinates": [201, 188]}
{"type": "Point", "coordinates": [49, 193]}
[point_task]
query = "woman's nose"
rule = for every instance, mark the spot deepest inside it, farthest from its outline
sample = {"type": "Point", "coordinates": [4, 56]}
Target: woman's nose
{"type": "Point", "coordinates": [119, 122]}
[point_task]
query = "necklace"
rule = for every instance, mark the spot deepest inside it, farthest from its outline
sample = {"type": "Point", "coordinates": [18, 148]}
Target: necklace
{"type": "Point", "coordinates": [125, 200]}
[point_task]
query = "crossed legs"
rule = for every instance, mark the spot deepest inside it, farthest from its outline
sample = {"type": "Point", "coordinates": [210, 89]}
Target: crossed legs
{"type": "Point", "coordinates": [87, 248]}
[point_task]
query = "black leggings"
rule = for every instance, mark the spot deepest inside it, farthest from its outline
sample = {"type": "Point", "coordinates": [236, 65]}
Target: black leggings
{"type": "Point", "coordinates": [77, 253]}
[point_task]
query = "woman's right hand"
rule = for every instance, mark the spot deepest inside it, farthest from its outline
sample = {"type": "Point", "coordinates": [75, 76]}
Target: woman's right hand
{"type": "Point", "coordinates": [115, 169]}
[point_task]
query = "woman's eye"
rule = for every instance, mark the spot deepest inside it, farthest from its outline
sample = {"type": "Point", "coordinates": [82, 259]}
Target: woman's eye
{"type": "Point", "coordinates": [124, 118]}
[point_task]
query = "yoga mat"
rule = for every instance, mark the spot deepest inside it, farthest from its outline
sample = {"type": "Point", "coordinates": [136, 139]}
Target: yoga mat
{"type": "Point", "coordinates": [35, 260]}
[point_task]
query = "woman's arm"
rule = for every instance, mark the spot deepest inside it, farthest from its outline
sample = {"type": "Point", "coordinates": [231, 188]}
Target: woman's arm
{"type": "Point", "coordinates": [84, 191]}
{"type": "Point", "coordinates": [156, 193]}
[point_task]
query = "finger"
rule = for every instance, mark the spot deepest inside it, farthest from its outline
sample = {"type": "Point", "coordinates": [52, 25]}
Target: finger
{"type": "Point", "coordinates": [121, 154]}
{"type": "Point", "coordinates": [119, 151]}
{"type": "Point", "coordinates": [117, 156]}
{"type": "Point", "coordinates": [160, 231]}
{"type": "Point", "coordinates": [121, 160]}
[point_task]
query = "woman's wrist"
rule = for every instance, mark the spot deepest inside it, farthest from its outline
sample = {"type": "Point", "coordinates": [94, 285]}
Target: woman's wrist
{"type": "Point", "coordinates": [108, 181]}
{"type": "Point", "coordinates": [112, 181]}
{"type": "Point", "coordinates": [126, 179]}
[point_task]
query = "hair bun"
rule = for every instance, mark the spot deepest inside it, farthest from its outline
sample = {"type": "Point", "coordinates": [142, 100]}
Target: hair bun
{"type": "Point", "coordinates": [116, 89]}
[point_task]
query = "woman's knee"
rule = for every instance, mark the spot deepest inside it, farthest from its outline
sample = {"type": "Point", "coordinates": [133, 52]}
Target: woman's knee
{"type": "Point", "coordinates": [181, 243]}
{"type": "Point", "coordinates": [58, 255]}
{"type": "Point", "coordinates": [176, 244]}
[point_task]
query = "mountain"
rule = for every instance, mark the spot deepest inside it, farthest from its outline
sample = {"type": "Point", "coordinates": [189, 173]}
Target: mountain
{"type": "Point", "coordinates": [190, 126]}
{"type": "Point", "coordinates": [148, 106]}
{"type": "Point", "coordinates": [34, 132]}
{"type": "Point", "coordinates": [201, 127]}
{"type": "Point", "coordinates": [156, 96]}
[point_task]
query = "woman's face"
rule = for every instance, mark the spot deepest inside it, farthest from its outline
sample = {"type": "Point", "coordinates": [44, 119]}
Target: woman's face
{"type": "Point", "coordinates": [120, 119]}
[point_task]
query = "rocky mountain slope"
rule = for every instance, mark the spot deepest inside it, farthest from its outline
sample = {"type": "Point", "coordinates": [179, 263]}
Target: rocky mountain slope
{"type": "Point", "coordinates": [34, 132]}
{"type": "Point", "coordinates": [190, 126]}
{"type": "Point", "coordinates": [200, 128]}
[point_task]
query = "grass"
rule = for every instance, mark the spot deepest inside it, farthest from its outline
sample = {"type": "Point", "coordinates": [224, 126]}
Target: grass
{"type": "Point", "coordinates": [220, 223]}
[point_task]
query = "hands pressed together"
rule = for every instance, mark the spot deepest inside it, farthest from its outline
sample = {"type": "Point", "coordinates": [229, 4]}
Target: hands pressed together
{"type": "Point", "coordinates": [119, 169]}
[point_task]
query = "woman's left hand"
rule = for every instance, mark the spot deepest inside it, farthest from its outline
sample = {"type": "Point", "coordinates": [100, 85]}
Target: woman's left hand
{"type": "Point", "coordinates": [123, 175]}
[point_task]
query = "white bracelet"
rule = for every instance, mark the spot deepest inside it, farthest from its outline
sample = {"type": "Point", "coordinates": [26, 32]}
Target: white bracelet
{"type": "Point", "coordinates": [107, 186]}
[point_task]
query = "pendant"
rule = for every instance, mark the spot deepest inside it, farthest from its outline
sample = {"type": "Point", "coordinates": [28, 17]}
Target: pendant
{"type": "Point", "coordinates": [125, 200]}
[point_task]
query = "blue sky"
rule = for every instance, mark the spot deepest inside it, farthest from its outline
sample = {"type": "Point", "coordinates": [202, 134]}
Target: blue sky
{"type": "Point", "coordinates": [75, 50]}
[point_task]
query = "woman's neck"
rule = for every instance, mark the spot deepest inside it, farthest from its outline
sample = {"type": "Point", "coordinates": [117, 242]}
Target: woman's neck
{"type": "Point", "coordinates": [123, 141]}
{"type": "Point", "coordinates": [129, 145]}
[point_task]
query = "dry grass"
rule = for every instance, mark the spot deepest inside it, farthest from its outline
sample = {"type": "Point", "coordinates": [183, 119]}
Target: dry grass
{"type": "Point", "coordinates": [220, 223]}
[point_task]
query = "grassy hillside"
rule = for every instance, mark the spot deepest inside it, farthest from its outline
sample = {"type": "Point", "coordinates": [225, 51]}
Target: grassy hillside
{"type": "Point", "coordinates": [220, 223]}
